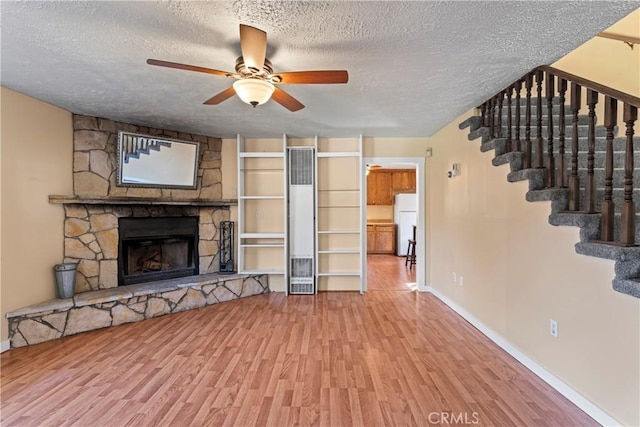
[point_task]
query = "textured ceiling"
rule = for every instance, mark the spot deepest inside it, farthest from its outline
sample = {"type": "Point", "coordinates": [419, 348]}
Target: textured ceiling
{"type": "Point", "coordinates": [413, 66]}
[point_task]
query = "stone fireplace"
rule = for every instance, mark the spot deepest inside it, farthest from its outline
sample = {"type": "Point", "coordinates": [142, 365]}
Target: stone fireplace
{"type": "Point", "coordinates": [92, 238]}
{"type": "Point", "coordinates": [93, 213]}
{"type": "Point", "coordinates": [130, 244]}
{"type": "Point", "coordinates": [157, 248]}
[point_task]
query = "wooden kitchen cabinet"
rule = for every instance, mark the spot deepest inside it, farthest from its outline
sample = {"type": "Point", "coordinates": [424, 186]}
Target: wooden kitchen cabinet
{"type": "Point", "coordinates": [379, 190]}
{"type": "Point", "coordinates": [403, 181]}
{"type": "Point", "coordinates": [383, 184]}
{"type": "Point", "coordinates": [381, 239]}
{"type": "Point", "coordinates": [371, 238]}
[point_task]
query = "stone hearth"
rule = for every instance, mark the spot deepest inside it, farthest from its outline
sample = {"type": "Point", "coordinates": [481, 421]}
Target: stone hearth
{"type": "Point", "coordinates": [125, 304]}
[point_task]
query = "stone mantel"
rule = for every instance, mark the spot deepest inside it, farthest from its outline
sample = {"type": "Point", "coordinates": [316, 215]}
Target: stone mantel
{"type": "Point", "coordinates": [57, 199]}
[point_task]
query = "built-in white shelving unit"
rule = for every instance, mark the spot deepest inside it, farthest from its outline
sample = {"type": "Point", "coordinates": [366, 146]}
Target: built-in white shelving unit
{"type": "Point", "coordinates": [263, 203]}
{"type": "Point", "coordinates": [262, 229]}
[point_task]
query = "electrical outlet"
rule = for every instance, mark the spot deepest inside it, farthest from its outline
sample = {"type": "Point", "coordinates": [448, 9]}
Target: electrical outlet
{"type": "Point", "coordinates": [259, 214]}
{"type": "Point", "coordinates": [234, 192]}
{"type": "Point", "coordinates": [553, 328]}
{"type": "Point", "coordinates": [428, 152]}
{"type": "Point", "coordinates": [461, 281]}
{"type": "Point", "coordinates": [455, 278]}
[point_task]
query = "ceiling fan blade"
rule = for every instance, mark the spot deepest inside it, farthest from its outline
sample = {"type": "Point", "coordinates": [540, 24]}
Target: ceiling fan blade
{"type": "Point", "coordinates": [286, 100]}
{"type": "Point", "coordinates": [222, 96]}
{"type": "Point", "coordinates": [314, 77]}
{"type": "Point", "coordinates": [253, 43]}
{"type": "Point", "coordinates": [186, 67]}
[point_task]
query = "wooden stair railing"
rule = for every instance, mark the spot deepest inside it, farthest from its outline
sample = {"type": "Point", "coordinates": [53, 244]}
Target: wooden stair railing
{"type": "Point", "coordinates": [556, 82]}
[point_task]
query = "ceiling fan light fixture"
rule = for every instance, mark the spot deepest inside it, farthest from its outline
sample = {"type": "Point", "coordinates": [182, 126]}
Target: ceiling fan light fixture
{"type": "Point", "coordinates": [253, 91]}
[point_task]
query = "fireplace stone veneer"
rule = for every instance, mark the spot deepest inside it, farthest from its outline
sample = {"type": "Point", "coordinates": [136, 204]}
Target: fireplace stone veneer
{"type": "Point", "coordinates": [91, 238]}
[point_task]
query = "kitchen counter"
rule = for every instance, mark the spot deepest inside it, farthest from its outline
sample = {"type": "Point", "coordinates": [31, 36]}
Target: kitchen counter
{"type": "Point", "coordinates": [380, 222]}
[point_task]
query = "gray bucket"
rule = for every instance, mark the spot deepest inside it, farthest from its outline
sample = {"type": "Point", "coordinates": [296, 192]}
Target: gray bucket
{"type": "Point", "coordinates": [65, 279]}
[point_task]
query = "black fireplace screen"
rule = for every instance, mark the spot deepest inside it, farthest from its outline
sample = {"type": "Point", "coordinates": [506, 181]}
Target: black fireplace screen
{"type": "Point", "coordinates": [157, 248]}
{"type": "Point", "coordinates": [226, 247]}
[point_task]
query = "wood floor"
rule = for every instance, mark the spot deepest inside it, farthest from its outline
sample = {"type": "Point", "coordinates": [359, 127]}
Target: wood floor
{"type": "Point", "coordinates": [389, 273]}
{"type": "Point", "coordinates": [337, 359]}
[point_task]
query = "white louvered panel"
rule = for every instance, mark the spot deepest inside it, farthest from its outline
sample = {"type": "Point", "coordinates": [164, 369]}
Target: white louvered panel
{"type": "Point", "coordinates": [301, 221]}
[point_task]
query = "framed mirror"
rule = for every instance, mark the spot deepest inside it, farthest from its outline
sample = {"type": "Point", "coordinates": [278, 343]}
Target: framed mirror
{"type": "Point", "coordinates": [149, 161]}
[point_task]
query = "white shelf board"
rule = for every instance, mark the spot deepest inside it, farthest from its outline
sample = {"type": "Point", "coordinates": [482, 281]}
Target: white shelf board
{"type": "Point", "coordinates": [266, 271]}
{"type": "Point", "coordinates": [339, 154]}
{"type": "Point", "coordinates": [263, 154]}
{"type": "Point", "coordinates": [262, 245]}
{"type": "Point", "coordinates": [340, 273]}
{"type": "Point", "coordinates": [338, 231]}
{"type": "Point", "coordinates": [261, 197]}
{"type": "Point", "coordinates": [262, 235]}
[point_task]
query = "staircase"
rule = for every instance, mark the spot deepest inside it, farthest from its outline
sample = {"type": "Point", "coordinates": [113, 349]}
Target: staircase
{"type": "Point", "coordinates": [584, 166]}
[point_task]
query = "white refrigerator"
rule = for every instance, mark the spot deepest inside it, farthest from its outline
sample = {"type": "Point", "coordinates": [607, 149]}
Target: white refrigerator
{"type": "Point", "coordinates": [405, 215]}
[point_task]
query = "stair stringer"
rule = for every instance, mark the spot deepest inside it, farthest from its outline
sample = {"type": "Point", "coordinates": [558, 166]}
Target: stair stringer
{"type": "Point", "coordinates": [626, 259]}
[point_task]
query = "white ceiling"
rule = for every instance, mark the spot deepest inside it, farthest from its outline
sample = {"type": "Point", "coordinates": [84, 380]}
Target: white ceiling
{"type": "Point", "coordinates": [413, 66]}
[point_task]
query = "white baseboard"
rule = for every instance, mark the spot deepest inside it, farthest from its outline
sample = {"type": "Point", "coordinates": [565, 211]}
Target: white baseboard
{"type": "Point", "coordinates": [4, 346]}
{"type": "Point", "coordinates": [576, 398]}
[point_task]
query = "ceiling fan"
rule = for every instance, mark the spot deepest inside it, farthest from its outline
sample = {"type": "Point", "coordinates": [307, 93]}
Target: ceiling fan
{"type": "Point", "coordinates": [255, 79]}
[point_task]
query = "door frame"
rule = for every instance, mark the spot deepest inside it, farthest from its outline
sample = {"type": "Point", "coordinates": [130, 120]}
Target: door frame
{"type": "Point", "coordinates": [420, 226]}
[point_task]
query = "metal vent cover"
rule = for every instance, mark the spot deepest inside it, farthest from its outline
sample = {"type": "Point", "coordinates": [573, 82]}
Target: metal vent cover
{"type": "Point", "coordinates": [301, 166]}
{"type": "Point", "coordinates": [301, 268]}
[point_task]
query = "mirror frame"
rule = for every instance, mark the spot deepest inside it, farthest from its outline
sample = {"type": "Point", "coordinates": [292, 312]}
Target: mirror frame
{"type": "Point", "coordinates": [120, 162]}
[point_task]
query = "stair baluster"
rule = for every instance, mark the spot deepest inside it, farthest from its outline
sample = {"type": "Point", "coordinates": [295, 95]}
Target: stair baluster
{"type": "Point", "coordinates": [574, 180]}
{"type": "Point", "coordinates": [509, 94]}
{"type": "Point", "coordinates": [627, 235]}
{"type": "Point", "coordinates": [528, 83]}
{"type": "Point", "coordinates": [483, 112]}
{"type": "Point", "coordinates": [562, 89]}
{"type": "Point", "coordinates": [610, 118]}
{"type": "Point", "coordinates": [590, 183]}
{"type": "Point", "coordinates": [551, 162]}
{"type": "Point", "coordinates": [500, 102]}
{"type": "Point", "coordinates": [539, 145]}
{"type": "Point", "coordinates": [516, 142]}
{"type": "Point", "coordinates": [492, 129]}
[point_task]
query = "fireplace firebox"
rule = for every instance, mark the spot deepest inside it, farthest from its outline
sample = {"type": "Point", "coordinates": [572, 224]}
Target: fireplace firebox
{"type": "Point", "coordinates": [157, 248]}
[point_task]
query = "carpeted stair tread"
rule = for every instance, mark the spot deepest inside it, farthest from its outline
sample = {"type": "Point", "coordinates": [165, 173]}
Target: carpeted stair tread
{"type": "Point", "coordinates": [608, 251]}
{"type": "Point", "coordinates": [627, 259]}
{"type": "Point", "coordinates": [534, 176]}
{"type": "Point", "coordinates": [515, 159]}
{"type": "Point", "coordinates": [628, 286]}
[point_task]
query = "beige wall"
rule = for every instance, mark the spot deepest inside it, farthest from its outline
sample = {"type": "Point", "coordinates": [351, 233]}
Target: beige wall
{"type": "Point", "coordinates": [609, 62]}
{"type": "Point", "coordinates": [482, 228]}
{"type": "Point", "coordinates": [380, 212]}
{"type": "Point", "coordinates": [37, 147]}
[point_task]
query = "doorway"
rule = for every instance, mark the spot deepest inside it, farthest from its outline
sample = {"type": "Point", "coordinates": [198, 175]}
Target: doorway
{"type": "Point", "coordinates": [384, 267]}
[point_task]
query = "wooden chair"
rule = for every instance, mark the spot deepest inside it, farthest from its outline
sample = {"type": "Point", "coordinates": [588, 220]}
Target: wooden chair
{"type": "Point", "coordinates": [411, 251]}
